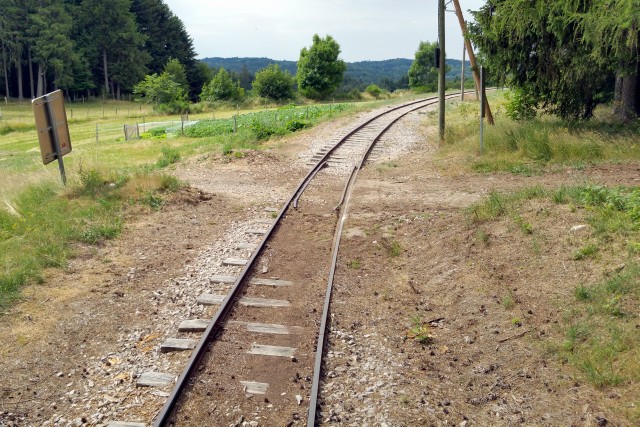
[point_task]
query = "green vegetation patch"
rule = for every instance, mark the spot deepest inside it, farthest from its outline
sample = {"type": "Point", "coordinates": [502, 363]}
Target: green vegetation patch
{"type": "Point", "coordinates": [529, 147]}
{"type": "Point", "coordinates": [19, 127]}
{"type": "Point", "coordinates": [264, 124]}
{"type": "Point", "coordinates": [40, 226]}
{"type": "Point", "coordinates": [610, 210]}
{"type": "Point", "coordinates": [600, 331]}
{"type": "Point", "coordinates": [601, 337]}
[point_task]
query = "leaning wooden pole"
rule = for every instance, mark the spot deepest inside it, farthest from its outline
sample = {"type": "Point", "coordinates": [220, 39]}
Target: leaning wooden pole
{"type": "Point", "coordinates": [472, 58]}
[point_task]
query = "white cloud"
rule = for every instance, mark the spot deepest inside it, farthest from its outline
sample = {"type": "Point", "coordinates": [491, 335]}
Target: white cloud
{"type": "Point", "coordinates": [365, 29]}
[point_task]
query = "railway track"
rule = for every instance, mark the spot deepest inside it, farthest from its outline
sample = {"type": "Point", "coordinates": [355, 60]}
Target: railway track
{"type": "Point", "coordinates": [258, 360]}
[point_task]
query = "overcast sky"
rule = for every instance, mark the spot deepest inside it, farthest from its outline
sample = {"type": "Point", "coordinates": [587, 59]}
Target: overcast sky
{"type": "Point", "coordinates": [278, 29]}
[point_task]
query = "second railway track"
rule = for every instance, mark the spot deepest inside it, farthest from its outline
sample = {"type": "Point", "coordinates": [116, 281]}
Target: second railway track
{"type": "Point", "coordinates": [257, 361]}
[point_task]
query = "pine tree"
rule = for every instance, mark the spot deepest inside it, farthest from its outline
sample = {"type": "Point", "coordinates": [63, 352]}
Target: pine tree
{"type": "Point", "coordinates": [117, 40]}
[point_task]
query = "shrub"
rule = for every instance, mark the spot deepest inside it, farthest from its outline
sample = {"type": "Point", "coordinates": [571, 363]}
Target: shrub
{"type": "Point", "coordinates": [521, 106]}
{"type": "Point", "coordinates": [168, 157]}
{"type": "Point", "coordinates": [273, 83]}
{"type": "Point", "coordinates": [374, 90]}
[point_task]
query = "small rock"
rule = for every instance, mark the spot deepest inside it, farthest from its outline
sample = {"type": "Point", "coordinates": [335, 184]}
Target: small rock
{"type": "Point", "coordinates": [298, 399]}
{"type": "Point", "coordinates": [579, 227]}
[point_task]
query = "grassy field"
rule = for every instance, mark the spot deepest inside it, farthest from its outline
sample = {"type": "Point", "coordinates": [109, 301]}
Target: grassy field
{"type": "Point", "coordinates": [20, 162]}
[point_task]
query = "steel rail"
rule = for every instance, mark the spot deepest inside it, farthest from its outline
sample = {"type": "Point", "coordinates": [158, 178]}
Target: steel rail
{"type": "Point", "coordinates": [377, 138]}
{"type": "Point", "coordinates": [227, 304]}
{"type": "Point", "coordinates": [344, 202]}
{"type": "Point", "coordinates": [313, 400]}
{"type": "Point", "coordinates": [337, 145]}
{"type": "Point", "coordinates": [315, 171]}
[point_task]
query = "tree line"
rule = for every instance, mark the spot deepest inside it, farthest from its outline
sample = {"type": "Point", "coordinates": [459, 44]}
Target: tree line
{"type": "Point", "coordinates": [90, 47]}
{"type": "Point", "coordinates": [320, 72]}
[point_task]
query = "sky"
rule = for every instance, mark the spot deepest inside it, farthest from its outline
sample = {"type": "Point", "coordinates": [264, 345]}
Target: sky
{"type": "Point", "coordinates": [277, 29]}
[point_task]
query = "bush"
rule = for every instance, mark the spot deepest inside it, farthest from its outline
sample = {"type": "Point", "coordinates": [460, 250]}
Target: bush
{"type": "Point", "coordinates": [521, 106]}
{"type": "Point", "coordinates": [374, 91]}
{"type": "Point", "coordinates": [354, 94]}
{"type": "Point", "coordinates": [222, 88]}
{"type": "Point", "coordinates": [174, 107]}
{"type": "Point", "coordinates": [273, 83]}
{"type": "Point", "coordinates": [169, 156]}
{"type": "Point", "coordinates": [294, 125]}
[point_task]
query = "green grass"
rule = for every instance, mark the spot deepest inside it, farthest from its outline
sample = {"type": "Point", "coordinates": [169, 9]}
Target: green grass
{"type": "Point", "coordinates": [355, 264]}
{"type": "Point", "coordinates": [601, 337]}
{"type": "Point", "coordinates": [531, 147]}
{"type": "Point", "coordinates": [588, 251]}
{"type": "Point", "coordinates": [39, 228]}
{"type": "Point", "coordinates": [419, 331]}
{"type": "Point", "coordinates": [497, 204]}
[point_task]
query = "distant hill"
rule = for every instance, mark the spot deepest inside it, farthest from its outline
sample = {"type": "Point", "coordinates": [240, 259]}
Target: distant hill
{"type": "Point", "coordinates": [390, 73]}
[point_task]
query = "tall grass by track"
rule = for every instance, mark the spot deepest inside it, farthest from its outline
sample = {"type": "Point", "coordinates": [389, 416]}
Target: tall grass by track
{"type": "Point", "coordinates": [38, 229]}
{"type": "Point", "coordinates": [532, 147]}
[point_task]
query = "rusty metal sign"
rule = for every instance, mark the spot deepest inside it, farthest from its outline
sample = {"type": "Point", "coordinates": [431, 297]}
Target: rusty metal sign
{"type": "Point", "coordinates": [52, 128]}
{"type": "Point", "coordinates": [51, 125]}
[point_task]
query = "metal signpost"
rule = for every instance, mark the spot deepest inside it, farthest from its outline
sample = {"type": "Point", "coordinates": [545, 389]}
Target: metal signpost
{"type": "Point", "coordinates": [482, 109]}
{"type": "Point", "coordinates": [52, 128]}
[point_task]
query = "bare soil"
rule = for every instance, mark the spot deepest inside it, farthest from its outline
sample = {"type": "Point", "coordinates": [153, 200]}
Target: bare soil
{"type": "Point", "coordinates": [409, 252]}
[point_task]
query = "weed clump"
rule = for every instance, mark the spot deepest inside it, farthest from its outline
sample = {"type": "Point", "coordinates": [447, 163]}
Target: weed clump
{"type": "Point", "coordinates": [420, 331]}
{"type": "Point", "coordinates": [168, 157]}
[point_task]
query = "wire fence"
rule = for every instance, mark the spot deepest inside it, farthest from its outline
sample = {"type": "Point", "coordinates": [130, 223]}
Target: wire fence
{"type": "Point", "coordinates": [133, 131]}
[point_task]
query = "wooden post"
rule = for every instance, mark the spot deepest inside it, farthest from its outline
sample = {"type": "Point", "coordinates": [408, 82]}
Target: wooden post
{"type": "Point", "coordinates": [472, 58]}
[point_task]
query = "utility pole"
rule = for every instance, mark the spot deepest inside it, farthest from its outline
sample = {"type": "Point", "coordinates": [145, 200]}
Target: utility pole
{"type": "Point", "coordinates": [472, 58]}
{"type": "Point", "coordinates": [441, 70]}
{"type": "Point", "coordinates": [464, 50]}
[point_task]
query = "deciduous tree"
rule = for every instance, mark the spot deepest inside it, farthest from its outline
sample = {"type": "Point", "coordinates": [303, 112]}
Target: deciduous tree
{"type": "Point", "coordinates": [273, 83]}
{"type": "Point", "coordinates": [423, 72]}
{"type": "Point", "coordinates": [221, 88]}
{"type": "Point", "coordinates": [320, 70]}
{"type": "Point", "coordinates": [163, 92]}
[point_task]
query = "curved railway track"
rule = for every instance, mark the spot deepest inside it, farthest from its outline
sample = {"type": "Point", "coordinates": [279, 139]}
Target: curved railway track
{"type": "Point", "coordinates": [260, 356]}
